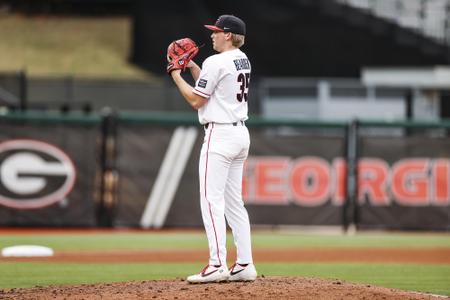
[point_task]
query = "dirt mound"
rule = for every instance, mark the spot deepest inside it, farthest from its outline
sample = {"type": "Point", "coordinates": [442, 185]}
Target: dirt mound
{"type": "Point", "coordinates": [262, 288]}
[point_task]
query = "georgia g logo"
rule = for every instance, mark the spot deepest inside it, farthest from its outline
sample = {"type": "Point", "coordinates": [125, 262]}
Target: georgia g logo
{"type": "Point", "coordinates": [34, 174]}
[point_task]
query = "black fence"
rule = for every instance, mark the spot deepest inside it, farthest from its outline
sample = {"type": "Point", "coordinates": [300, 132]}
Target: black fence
{"type": "Point", "coordinates": [140, 170]}
{"type": "Point", "coordinates": [19, 91]}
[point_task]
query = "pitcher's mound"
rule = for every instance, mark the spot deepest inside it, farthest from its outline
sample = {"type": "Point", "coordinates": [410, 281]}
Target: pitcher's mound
{"type": "Point", "coordinates": [263, 288]}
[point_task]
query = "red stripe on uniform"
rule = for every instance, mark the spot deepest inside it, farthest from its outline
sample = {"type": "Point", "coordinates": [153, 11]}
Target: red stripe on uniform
{"type": "Point", "coordinates": [206, 198]}
{"type": "Point", "coordinates": [200, 93]}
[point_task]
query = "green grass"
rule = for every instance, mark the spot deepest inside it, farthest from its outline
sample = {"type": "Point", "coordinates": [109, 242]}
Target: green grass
{"type": "Point", "coordinates": [415, 277]}
{"type": "Point", "coordinates": [44, 274]}
{"type": "Point", "coordinates": [119, 241]}
{"type": "Point", "coordinates": [194, 240]}
{"type": "Point", "coordinates": [77, 46]}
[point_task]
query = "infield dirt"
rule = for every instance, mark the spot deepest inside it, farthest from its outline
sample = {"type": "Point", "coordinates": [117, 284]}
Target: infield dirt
{"type": "Point", "coordinates": [370, 255]}
{"type": "Point", "coordinates": [262, 288]}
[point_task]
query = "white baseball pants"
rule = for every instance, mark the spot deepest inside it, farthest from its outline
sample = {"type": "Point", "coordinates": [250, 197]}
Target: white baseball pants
{"type": "Point", "coordinates": [224, 151]}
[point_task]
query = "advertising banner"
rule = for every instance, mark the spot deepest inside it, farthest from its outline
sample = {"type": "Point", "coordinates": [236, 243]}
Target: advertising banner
{"type": "Point", "coordinates": [135, 172]}
{"type": "Point", "coordinates": [47, 173]}
{"type": "Point", "coordinates": [301, 179]}
{"type": "Point", "coordinates": [404, 183]}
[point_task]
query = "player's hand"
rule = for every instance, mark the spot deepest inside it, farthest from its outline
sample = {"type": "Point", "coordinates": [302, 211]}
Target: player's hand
{"type": "Point", "coordinates": [180, 53]}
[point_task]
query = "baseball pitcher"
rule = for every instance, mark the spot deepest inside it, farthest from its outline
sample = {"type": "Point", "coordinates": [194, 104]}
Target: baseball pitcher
{"type": "Point", "coordinates": [220, 95]}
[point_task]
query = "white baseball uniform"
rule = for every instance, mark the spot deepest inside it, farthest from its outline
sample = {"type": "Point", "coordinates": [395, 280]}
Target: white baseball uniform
{"type": "Point", "coordinates": [224, 80]}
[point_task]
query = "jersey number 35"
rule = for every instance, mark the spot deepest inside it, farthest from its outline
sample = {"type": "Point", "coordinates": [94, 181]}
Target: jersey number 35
{"type": "Point", "coordinates": [244, 79]}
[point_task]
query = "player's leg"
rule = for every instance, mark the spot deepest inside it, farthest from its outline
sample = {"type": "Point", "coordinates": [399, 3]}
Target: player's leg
{"type": "Point", "coordinates": [236, 213]}
{"type": "Point", "coordinates": [237, 217]}
{"type": "Point", "coordinates": [213, 171]}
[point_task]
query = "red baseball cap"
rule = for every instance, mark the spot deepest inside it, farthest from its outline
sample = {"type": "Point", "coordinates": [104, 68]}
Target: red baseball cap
{"type": "Point", "coordinates": [228, 23]}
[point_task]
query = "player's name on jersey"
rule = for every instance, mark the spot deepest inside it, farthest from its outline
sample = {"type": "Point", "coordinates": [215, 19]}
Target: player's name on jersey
{"type": "Point", "coordinates": [242, 64]}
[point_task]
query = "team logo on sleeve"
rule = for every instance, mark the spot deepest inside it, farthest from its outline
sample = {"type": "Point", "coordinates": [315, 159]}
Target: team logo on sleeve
{"type": "Point", "coordinates": [202, 83]}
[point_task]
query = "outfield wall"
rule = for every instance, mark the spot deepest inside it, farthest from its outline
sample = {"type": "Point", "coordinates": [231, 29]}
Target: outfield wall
{"type": "Point", "coordinates": [140, 170]}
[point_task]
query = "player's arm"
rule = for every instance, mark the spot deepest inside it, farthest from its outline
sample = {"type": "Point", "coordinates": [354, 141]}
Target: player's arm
{"type": "Point", "coordinates": [194, 69]}
{"type": "Point", "coordinates": [185, 89]}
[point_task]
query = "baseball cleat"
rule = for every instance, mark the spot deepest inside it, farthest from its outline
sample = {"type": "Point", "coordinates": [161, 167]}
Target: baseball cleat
{"type": "Point", "coordinates": [210, 274]}
{"type": "Point", "coordinates": [242, 272]}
